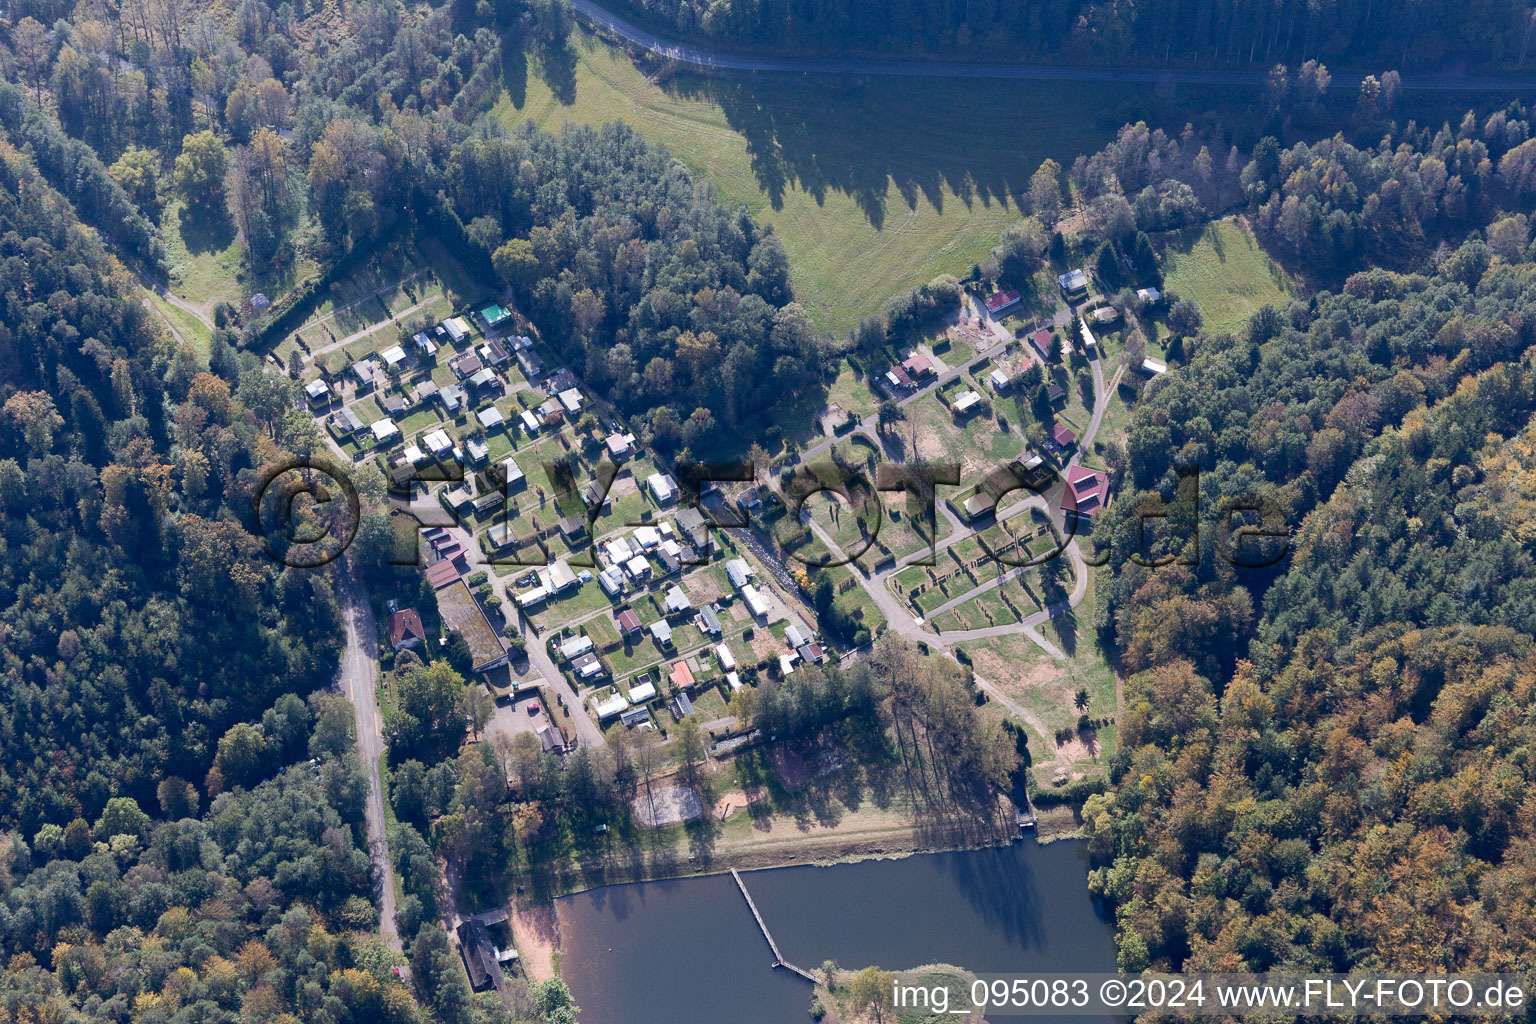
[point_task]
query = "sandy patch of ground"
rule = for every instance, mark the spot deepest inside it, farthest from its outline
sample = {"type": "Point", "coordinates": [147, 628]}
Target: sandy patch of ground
{"type": "Point", "coordinates": [729, 804]}
{"type": "Point", "coordinates": [764, 644]}
{"type": "Point", "coordinates": [623, 484]}
{"type": "Point", "coordinates": [667, 805]}
{"type": "Point", "coordinates": [536, 933]}
{"type": "Point", "coordinates": [1017, 680]}
{"type": "Point", "coordinates": [1081, 747]}
{"type": "Point", "coordinates": [934, 446]}
{"type": "Point", "coordinates": [702, 588]}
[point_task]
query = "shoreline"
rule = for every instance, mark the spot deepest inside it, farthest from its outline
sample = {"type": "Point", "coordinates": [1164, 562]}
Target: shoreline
{"type": "Point", "coordinates": [1062, 826]}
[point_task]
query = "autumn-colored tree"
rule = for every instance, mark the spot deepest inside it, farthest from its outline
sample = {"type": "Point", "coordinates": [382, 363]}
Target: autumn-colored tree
{"type": "Point", "coordinates": [254, 960]}
{"type": "Point", "coordinates": [200, 169]}
{"type": "Point", "coordinates": [138, 172]}
{"type": "Point", "coordinates": [872, 991]}
{"type": "Point", "coordinates": [527, 821]}
{"type": "Point", "coordinates": [33, 416]}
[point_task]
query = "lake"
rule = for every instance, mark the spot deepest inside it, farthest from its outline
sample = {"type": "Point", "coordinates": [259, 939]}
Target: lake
{"type": "Point", "coordinates": [686, 950]}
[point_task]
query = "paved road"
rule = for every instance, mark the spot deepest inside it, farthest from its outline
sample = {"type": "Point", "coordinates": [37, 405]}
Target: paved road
{"type": "Point", "coordinates": [536, 649]}
{"type": "Point", "coordinates": [358, 678]}
{"type": "Point", "coordinates": [716, 60]}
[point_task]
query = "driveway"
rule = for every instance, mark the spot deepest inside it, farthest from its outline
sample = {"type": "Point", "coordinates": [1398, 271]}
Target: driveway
{"type": "Point", "coordinates": [513, 715]}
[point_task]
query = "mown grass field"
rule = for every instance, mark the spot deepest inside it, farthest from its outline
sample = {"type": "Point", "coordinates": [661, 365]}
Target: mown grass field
{"type": "Point", "coordinates": [873, 185]}
{"type": "Point", "coordinates": [1222, 270]}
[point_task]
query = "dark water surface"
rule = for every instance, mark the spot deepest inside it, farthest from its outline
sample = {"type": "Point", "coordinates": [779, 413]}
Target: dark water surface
{"type": "Point", "coordinates": [688, 952]}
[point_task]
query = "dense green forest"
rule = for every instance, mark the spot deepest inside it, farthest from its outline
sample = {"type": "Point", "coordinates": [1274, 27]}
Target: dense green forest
{"type": "Point", "coordinates": [141, 620]}
{"type": "Point", "coordinates": [316, 132]}
{"type": "Point", "coordinates": [1362, 707]}
{"type": "Point", "coordinates": [678, 308]}
{"type": "Point", "coordinates": [1248, 32]}
{"type": "Point", "coordinates": [249, 912]}
{"type": "Point", "coordinates": [146, 643]}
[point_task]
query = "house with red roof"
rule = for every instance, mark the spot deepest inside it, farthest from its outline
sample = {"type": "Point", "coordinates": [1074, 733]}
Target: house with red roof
{"type": "Point", "coordinates": [1087, 491]}
{"type": "Point", "coordinates": [629, 622]}
{"type": "Point", "coordinates": [682, 675]}
{"type": "Point", "coordinates": [1044, 342]}
{"type": "Point", "coordinates": [405, 629]}
{"type": "Point", "coordinates": [1001, 300]}
{"type": "Point", "coordinates": [917, 365]}
{"type": "Point", "coordinates": [441, 573]}
{"type": "Point", "coordinates": [1062, 437]}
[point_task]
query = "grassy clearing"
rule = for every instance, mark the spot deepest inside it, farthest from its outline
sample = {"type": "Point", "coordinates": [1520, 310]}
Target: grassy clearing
{"type": "Point", "coordinates": [1044, 687]}
{"type": "Point", "coordinates": [191, 329]}
{"type": "Point", "coordinates": [865, 211]}
{"type": "Point", "coordinates": [1222, 270]}
{"type": "Point", "coordinates": [205, 257]}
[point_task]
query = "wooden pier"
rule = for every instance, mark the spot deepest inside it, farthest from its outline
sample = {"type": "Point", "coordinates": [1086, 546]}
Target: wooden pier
{"type": "Point", "coordinates": [1025, 816]}
{"type": "Point", "coordinates": [778, 958]}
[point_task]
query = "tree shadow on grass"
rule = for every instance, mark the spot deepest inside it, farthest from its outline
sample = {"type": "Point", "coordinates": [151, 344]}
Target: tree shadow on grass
{"type": "Point", "coordinates": [205, 228]}
{"type": "Point", "coordinates": [514, 69]}
{"type": "Point", "coordinates": [824, 134]}
{"type": "Point", "coordinates": [557, 66]}
{"type": "Point", "coordinates": [1065, 628]}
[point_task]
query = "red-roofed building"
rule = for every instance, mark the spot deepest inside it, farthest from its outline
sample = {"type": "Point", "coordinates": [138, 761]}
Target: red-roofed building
{"type": "Point", "coordinates": [629, 622]}
{"type": "Point", "coordinates": [440, 574]}
{"type": "Point", "coordinates": [917, 365]}
{"type": "Point", "coordinates": [999, 301]}
{"type": "Point", "coordinates": [898, 378]}
{"type": "Point", "coordinates": [682, 675]}
{"type": "Point", "coordinates": [1062, 436]}
{"type": "Point", "coordinates": [1087, 491]}
{"type": "Point", "coordinates": [405, 629]}
{"type": "Point", "coordinates": [1044, 343]}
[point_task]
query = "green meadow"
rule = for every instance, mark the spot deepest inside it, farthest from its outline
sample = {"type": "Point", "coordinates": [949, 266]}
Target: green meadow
{"type": "Point", "coordinates": [874, 185]}
{"type": "Point", "coordinates": [1222, 270]}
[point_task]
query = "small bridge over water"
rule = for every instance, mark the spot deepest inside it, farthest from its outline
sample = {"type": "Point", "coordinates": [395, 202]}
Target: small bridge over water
{"type": "Point", "coordinates": [778, 958]}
